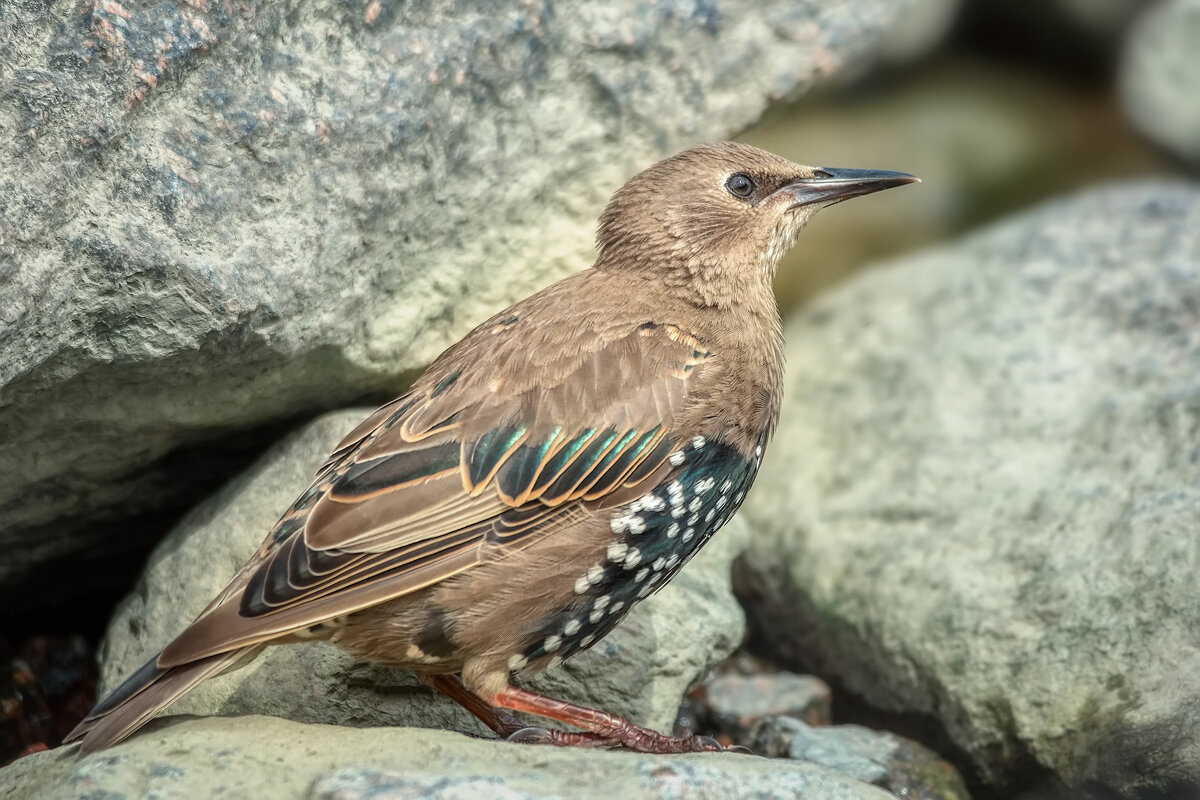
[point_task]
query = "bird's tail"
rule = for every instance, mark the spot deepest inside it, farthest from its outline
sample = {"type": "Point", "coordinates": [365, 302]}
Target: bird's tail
{"type": "Point", "coordinates": [145, 693]}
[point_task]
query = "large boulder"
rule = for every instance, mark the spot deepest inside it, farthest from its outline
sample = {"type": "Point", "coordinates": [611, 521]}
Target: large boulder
{"type": "Point", "coordinates": [272, 759]}
{"type": "Point", "coordinates": [641, 670]}
{"type": "Point", "coordinates": [215, 216]}
{"type": "Point", "coordinates": [982, 507]}
{"type": "Point", "coordinates": [1160, 78]}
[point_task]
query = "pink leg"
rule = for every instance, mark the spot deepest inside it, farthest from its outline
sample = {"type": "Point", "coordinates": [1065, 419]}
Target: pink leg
{"type": "Point", "coordinates": [605, 727]}
{"type": "Point", "coordinates": [505, 724]}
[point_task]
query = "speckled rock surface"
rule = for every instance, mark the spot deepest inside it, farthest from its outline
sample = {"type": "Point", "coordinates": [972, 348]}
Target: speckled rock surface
{"type": "Point", "coordinates": [641, 670]}
{"type": "Point", "coordinates": [904, 768]}
{"type": "Point", "coordinates": [1160, 77]}
{"type": "Point", "coordinates": [736, 703]}
{"type": "Point", "coordinates": [215, 216]}
{"type": "Point", "coordinates": [983, 501]}
{"type": "Point", "coordinates": [273, 759]}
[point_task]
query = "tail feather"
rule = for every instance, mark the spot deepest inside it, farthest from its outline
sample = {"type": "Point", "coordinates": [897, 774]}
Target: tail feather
{"type": "Point", "coordinates": [143, 694]}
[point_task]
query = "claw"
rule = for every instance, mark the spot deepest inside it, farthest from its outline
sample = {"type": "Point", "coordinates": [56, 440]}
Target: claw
{"type": "Point", "coordinates": [705, 743]}
{"type": "Point", "coordinates": [530, 735]}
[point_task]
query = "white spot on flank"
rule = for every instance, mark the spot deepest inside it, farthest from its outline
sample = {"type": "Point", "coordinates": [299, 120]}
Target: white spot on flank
{"type": "Point", "coordinates": [602, 601]}
{"type": "Point", "coordinates": [642, 574]}
{"type": "Point", "coordinates": [739, 498]}
{"type": "Point", "coordinates": [676, 458]}
{"type": "Point", "coordinates": [585, 641]}
{"type": "Point", "coordinates": [758, 451]}
{"type": "Point", "coordinates": [552, 643]}
{"type": "Point", "coordinates": [572, 627]}
{"type": "Point", "coordinates": [675, 489]}
{"type": "Point", "coordinates": [653, 502]}
{"type": "Point", "coordinates": [637, 525]}
{"type": "Point", "coordinates": [517, 662]}
{"type": "Point", "coordinates": [582, 585]}
{"type": "Point", "coordinates": [659, 563]}
{"type": "Point", "coordinates": [672, 561]}
{"type": "Point", "coordinates": [705, 485]}
{"type": "Point", "coordinates": [633, 558]}
{"type": "Point", "coordinates": [617, 550]}
{"type": "Point", "coordinates": [618, 523]}
{"type": "Point", "coordinates": [695, 504]}
{"type": "Point", "coordinates": [617, 606]}
{"type": "Point", "coordinates": [712, 512]}
{"type": "Point", "coordinates": [721, 501]}
{"type": "Point", "coordinates": [693, 519]}
{"type": "Point", "coordinates": [726, 486]}
{"type": "Point", "coordinates": [554, 662]}
{"type": "Point", "coordinates": [688, 534]}
{"type": "Point", "coordinates": [673, 531]}
{"type": "Point", "coordinates": [595, 573]}
{"type": "Point", "coordinates": [698, 442]}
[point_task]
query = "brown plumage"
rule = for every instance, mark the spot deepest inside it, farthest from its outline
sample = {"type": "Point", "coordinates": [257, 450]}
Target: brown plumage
{"type": "Point", "coordinates": [547, 472]}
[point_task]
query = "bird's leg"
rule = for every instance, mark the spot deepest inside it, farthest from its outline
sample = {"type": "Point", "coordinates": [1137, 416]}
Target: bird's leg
{"type": "Point", "coordinates": [505, 725]}
{"type": "Point", "coordinates": [601, 724]}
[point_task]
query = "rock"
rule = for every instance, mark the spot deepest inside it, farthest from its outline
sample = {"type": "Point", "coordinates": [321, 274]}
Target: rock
{"type": "Point", "coordinates": [982, 502]}
{"type": "Point", "coordinates": [1017, 141]}
{"type": "Point", "coordinates": [1160, 77]}
{"type": "Point", "coordinates": [918, 32]}
{"type": "Point", "coordinates": [904, 768]}
{"type": "Point", "coordinates": [47, 684]}
{"type": "Point", "coordinates": [736, 703]}
{"type": "Point", "coordinates": [219, 218]}
{"type": "Point", "coordinates": [269, 758]}
{"type": "Point", "coordinates": [641, 670]}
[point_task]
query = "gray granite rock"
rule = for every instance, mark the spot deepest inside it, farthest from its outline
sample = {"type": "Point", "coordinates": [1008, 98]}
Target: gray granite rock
{"type": "Point", "coordinates": [273, 759]}
{"type": "Point", "coordinates": [884, 759]}
{"type": "Point", "coordinates": [1160, 77]}
{"type": "Point", "coordinates": [919, 29]}
{"type": "Point", "coordinates": [983, 501]}
{"type": "Point", "coordinates": [217, 216]}
{"type": "Point", "coordinates": [641, 670]}
{"type": "Point", "coordinates": [736, 703]}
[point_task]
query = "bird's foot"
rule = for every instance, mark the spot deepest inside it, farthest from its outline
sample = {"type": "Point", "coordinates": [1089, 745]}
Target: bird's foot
{"type": "Point", "coordinates": [533, 735]}
{"type": "Point", "coordinates": [599, 728]}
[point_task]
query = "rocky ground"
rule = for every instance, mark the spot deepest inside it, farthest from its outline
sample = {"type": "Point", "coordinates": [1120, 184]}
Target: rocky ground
{"type": "Point", "coordinates": [978, 522]}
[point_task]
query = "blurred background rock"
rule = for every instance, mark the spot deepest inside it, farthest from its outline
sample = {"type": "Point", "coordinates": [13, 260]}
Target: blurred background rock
{"type": "Point", "coordinates": [211, 232]}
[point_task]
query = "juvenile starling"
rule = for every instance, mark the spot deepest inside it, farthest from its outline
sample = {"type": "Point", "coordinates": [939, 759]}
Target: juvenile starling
{"type": "Point", "coordinates": [547, 472]}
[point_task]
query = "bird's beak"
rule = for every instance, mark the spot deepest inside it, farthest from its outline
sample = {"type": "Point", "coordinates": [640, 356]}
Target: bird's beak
{"type": "Point", "coordinates": [830, 185]}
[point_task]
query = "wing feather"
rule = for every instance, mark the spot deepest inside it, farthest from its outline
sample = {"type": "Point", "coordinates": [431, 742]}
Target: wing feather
{"type": "Point", "coordinates": [460, 468]}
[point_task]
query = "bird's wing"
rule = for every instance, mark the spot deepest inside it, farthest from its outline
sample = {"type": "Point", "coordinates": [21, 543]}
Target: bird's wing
{"type": "Point", "coordinates": [474, 459]}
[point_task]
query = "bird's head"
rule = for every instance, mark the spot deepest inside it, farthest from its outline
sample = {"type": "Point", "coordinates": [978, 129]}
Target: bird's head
{"type": "Point", "coordinates": [718, 215]}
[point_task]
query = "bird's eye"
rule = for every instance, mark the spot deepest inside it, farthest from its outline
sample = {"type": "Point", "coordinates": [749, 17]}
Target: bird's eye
{"type": "Point", "coordinates": [740, 185]}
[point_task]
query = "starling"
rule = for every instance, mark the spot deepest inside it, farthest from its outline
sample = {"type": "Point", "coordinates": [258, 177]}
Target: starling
{"type": "Point", "coordinates": [556, 466]}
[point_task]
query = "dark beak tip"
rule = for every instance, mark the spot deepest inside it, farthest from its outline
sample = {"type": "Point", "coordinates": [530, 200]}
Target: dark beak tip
{"type": "Point", "coordinates": [834, 184]}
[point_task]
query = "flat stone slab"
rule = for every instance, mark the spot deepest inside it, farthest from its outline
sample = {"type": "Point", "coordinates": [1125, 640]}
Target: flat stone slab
{"type": "Point", "coordinates": [273, 759]}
